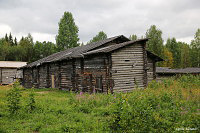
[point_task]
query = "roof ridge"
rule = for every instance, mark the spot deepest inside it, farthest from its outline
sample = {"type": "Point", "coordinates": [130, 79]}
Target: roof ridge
{"type": "Point", "coordinates": [76, 51]}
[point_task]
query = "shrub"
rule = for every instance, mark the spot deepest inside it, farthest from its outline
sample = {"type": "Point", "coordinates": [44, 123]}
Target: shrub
{"type": "Point", "coordinates": [144, 113]}
{"type": "Point", "coordinates": [31, 102]}
{"type": "Point", "coordinates": [13, 98]}
{"type": "Point", "coordinates": [154, 85]}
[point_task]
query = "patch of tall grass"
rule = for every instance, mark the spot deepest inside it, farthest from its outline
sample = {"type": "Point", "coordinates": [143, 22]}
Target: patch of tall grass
{"type": "Point", "coordinates": [162, 107]}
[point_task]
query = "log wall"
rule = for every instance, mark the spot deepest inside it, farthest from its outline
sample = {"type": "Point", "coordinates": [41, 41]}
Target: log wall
{"type": "Point", "coordinates": [128, 68]}
{"type": "Point", "coordinates": [92, 73]}
{"type": "Point", "coordinates": [54, 70]}
{"type": "Point", "coordinates": [43, 74]}
{"type": "Point", "coordinates": [66, 73]}
{"type": "Point", "coordinates": [122, 70]}
{"type": "Point", "coordinates": [7, 75]}
{"type": "Point", "coordinates": [150, 71]}
{"type": "Point", "coordinates": [27, 78]}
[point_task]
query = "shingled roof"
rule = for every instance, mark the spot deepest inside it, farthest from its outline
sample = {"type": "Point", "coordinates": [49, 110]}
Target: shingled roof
{"type": "Point", "coordinates": [189, 70]}
{"type": "Point", "coordinates": [77, 51]}
{"type": "Point", "coordinates": [113, 47]}
{"type": "Point", "coordinates": [92, 48]}
{"type": "Point", "coordinates": [12, 64]}
{"type": "Point", "coordinates": [117, 46]}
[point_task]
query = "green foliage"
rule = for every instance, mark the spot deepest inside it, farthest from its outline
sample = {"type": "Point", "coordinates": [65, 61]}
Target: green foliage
{"type": "Point", "coordinates": [185, 55]}
{"type": "Point", "coordinates": [176, 54]}
{"type": "Point", "coordinates": [31, 102]}
{"type": "Point", "coordinates": [13, 99]}
{"type": "Point", "coordinates": [26, 48]}
{"type": "Point", "coordinates": [189, 80]}
{"type": "Point", "coordinates": [153, 84]}
{"type": "Point", "coordinates": [163, 107]}
{"type": "Point", "coordinates": [174, 48]}
{"type": "Point", "coordinates": [133, 37]}
{"type": "Point", "coordinates": [195, 50]}
{"type": "Point", "coordinates": [100, 36]}
{"type": "Point", "coordinates": [67, 33]}
{"type": "Point", "coordinates": [10, 40]}
{"type": "Point", "coordinates": [42, 50]}
{"type": "Point", "coordinates": [155, 43]}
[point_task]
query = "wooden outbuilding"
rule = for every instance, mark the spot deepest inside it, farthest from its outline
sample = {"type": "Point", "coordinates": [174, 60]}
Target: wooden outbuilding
{"type": "Point", "coordinates": [9, 72]}
{"type": "Point", "coordinates": [114, 64]}
{"type": "Point", "coordinates": [166, 72]}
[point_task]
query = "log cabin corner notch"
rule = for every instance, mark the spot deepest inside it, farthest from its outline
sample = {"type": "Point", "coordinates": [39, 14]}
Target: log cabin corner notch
{"type": "Point", "coordinates": [114, 64]}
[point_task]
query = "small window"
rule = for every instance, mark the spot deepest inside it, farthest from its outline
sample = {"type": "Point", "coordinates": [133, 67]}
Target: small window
{"type": "Point", "coordinates": [99, 84]}
{"type": "Point", "coordinates": [127, 60]}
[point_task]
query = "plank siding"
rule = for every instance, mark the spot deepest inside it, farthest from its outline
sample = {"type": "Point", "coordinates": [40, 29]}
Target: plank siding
{"type": "Point", "coordinates": [0, 75]}
{"type": "Point", "coordinates": [54, 70]}
{"type": "Point", "coordinates": [7, 75]}
{"type": "Point", "coordinates": [43, 76]}
{"type": "Point", "coordinates": [123, 67]}
{"type": "Point", "coordinates": [66, 73]}
{"type": "Point", "coordinates": [88, 72]}
{"type": "Point", "coordinates": [127, 68]}
{"type": "Point", "coordinates": [150, 71]}
{"type": "Point", "coordinates": [27, 78]}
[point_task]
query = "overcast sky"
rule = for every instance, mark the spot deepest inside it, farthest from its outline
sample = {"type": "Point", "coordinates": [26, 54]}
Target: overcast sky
{"type": "Point", "coordinates": [176, 18]}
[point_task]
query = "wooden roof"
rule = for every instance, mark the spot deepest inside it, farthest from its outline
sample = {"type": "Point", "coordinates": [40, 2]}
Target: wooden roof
{"type": "Point", "coordinates": [112, 48]}
{"type": "Point", "coordinates": [189, 70]}
{"type": "Point", "coordinates": [92, 48]}
{"type": "Point", "coordinates": [77, 51]}
{"type": "Point", "coordinates": [12, 64]}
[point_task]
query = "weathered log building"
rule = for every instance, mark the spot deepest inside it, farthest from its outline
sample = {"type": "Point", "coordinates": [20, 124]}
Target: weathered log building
{"type": "Point", "coordinates": [114, 64]}
{"type": "Point", "coordinates": [166, 72]}
{"type": "Point", "coordinates": [9, 72]}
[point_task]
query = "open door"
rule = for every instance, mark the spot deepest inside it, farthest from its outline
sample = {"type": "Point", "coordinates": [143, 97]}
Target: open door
{"type": "Point", "coordinates": [52, 81]}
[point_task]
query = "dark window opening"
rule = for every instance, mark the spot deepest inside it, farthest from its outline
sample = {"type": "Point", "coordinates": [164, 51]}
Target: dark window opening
{"type": "Point", "coordinates": [99, 84]}
{"type": "Point", "coordinates": [127, 60]}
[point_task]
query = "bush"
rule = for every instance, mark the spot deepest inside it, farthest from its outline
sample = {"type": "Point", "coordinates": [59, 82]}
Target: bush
{"type": "Point", "coordinates": [146, 113]}
{"type": "Point", "coordinates": [162, 107]}
{"type": "Point", "coordinates": [188, 80]}
{"type": "Point", "coordinates": [31, 102]}
{"type": "Point", "coordinates": [13, 99]}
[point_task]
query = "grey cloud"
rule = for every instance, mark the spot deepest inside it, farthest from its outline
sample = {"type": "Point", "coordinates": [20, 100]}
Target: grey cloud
{"type": "Point", "coordinates": [178, 18]}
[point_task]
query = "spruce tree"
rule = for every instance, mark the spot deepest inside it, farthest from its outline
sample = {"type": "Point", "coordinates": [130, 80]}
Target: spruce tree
{"type": "Point", "coordinates": [6, 37]}
{"type": "Point", "coordinates": [15, 41]}
{"type": "Point", "coordinates": [10, 39]}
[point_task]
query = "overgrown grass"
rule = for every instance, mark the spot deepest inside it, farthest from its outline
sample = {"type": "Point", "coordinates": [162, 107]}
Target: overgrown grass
{"type": "Point", "coordinates": [167, 106]}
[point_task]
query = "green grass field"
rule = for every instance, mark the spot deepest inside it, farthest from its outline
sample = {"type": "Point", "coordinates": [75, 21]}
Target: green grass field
{"type": "Point", "coordinates": [170, 106]}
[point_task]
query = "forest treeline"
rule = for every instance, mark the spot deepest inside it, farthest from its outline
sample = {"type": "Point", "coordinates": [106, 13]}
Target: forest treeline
{"type": "Point", "coordinates": [177, 54]}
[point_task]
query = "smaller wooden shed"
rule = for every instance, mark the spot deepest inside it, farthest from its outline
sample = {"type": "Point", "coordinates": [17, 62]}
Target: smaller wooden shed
{"type": "Point", "coordinates": [9, 72]}
{"type": "Point", "coordinates": [166, 72]}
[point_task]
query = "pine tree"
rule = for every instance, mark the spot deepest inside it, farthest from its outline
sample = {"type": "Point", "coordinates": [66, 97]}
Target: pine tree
{"type": "Point", "coordinates": [100, 36]}
{"type": "Point", "coordinates": [68, 32]}
{"type": "Point", "coordinates": [10, 39]}
{"type": "Point", "coordinates": [15, 41]}
{"type": "Point", "coordinates": [6, 37]}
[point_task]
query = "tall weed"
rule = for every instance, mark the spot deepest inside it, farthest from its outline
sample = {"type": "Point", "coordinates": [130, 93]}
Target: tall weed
{"type": "Point", "coordinates": [13, 99]}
